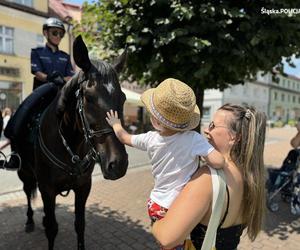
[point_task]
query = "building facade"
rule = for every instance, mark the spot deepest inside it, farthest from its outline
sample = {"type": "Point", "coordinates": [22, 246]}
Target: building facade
{"type": "Point", "coordinates": [278, 99]}
{"type": "Point", "coordinates": [284, 98]}
{"type": "Point", "coordinates": [20, 30]}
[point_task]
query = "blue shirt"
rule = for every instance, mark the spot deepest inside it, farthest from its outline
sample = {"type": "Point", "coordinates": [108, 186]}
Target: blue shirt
{"type": "Point", "coordinates": [43, 59]}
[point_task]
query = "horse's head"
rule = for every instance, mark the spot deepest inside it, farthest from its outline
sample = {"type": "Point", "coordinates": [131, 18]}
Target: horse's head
{"type": "Point", "coordinates": [97, 90]}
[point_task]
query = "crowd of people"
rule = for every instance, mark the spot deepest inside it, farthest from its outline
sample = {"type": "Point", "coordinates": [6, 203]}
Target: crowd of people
{"type": "Point", "coordinates": [180, 202]}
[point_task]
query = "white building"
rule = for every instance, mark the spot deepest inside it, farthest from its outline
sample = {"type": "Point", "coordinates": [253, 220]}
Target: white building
{"type": "Point", "coordinates": [254, 93]}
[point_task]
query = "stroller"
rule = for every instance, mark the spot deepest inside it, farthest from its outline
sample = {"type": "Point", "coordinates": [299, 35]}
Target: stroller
{"type": "Point", "coordinates": [286, 183]}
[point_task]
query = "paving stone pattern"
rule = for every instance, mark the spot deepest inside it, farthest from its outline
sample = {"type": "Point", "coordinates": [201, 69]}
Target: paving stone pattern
{"type": "Point", "coordinates": [116, 215]}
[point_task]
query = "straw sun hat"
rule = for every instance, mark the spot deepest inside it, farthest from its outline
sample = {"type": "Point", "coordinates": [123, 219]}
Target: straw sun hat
{"type": "Point", "coordinates": [173, 103]}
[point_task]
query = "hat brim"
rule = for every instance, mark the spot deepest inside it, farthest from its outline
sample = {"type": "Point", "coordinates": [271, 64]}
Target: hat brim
{"type": "Point", "coordinates": [193, 123]}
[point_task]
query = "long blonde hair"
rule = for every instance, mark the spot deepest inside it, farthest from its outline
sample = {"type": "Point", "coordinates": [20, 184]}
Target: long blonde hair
{"type": "Point", "coordinates": [249, 125]}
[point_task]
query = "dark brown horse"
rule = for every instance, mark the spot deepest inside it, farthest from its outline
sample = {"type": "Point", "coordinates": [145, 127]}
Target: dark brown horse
{"type": "Point", "coordinates": [72, 135]}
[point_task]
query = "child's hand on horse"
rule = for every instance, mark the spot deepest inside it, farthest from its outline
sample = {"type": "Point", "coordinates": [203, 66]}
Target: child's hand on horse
{"type": "Point", "coordinates": [112, 118]}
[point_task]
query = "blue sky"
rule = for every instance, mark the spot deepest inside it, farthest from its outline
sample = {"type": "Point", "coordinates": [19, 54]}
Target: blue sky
{"type": "Point", "coordinates": [78, 1]}
{"type": "Point", "coordinates": [287, 69]}
{"type": "Point", "coordinates": [293, 71]}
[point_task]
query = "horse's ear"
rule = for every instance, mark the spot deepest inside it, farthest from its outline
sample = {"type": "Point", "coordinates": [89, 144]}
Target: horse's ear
{"type": "Point", "coordinates": [120, 61]}
{"type": "Point", "coordinates": [65, 95]}
{"type": "Point", "coordinates": [81, 55]}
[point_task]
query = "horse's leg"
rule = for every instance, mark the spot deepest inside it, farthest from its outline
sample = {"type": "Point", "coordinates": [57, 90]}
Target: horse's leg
{"type": "Point", "coordinates": [81, 195]}
{"type": "Point", "coordinates": [29, 187]}
{"type": "Point", "coordinates": [49, 220]}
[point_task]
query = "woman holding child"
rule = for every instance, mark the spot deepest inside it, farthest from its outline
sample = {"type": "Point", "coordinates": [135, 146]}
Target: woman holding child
{"type": "Point", "coordinates": [236, 134]}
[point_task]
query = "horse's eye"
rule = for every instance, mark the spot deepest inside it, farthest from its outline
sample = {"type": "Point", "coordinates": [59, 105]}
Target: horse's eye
{"type": "Point", "coordinates": [89, 98]}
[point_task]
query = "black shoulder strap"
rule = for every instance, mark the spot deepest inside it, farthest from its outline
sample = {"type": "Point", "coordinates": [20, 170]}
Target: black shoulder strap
{"type": "Point", "coordinates": [227, 207]}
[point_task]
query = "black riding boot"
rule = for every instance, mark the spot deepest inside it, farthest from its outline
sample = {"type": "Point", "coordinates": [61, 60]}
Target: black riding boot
{"type": "Point", "coordinates": [13, 163]}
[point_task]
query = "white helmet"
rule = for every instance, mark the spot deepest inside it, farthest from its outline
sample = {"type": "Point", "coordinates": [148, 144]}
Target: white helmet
{"type": "Point", "coordinates": [53, 22]}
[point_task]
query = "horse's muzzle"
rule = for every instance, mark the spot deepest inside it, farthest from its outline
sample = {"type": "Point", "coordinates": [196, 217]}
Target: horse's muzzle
{"type": "Point", "coordinates": [115, 169]}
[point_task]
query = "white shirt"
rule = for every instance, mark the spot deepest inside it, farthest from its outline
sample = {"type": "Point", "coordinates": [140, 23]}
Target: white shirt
{"type": "Point", "coordinates": [174, 159]}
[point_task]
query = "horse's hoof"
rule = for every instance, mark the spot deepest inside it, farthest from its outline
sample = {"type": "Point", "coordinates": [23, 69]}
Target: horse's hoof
{"type": "Point", "coordinates": [29, 227]}
{"type": "Point", "coordinates": [80, 246]}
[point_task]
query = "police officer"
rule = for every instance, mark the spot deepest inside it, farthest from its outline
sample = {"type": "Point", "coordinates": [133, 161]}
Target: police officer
{"type": "Point", "coordinates": [49, 65]}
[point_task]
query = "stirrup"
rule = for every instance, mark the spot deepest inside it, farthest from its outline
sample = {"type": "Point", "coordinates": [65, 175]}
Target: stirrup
{"type": "Point", "coordinates": [19, 159]}
{"type": "Point", "coordinates": [4, 161]}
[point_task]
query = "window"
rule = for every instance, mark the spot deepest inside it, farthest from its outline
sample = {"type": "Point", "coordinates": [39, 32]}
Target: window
{"type": "Point", "coordinates": [275, 95]}
{"type": "Point", "coordinates": [6, 40]}
{"type": "Point", "coordinates": [206, 112]}
{"type": "Point", "coordinates": [282, 97]}
{"type": "Point", "coordinates": [23, 2]}
{"type": "Point", "coordinates": [40, 41]}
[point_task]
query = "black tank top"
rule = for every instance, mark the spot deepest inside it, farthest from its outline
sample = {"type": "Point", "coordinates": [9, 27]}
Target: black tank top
{"type": "Point", "coordinates": [227, 238]}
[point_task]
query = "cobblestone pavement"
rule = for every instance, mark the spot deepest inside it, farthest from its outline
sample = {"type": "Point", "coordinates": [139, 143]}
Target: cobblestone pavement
{"type": "Point", "coordinates": [116, 216]}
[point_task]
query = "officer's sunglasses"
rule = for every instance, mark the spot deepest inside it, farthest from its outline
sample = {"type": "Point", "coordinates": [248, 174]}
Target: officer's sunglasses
{"type": "Point", "coordinates": [57, 33]}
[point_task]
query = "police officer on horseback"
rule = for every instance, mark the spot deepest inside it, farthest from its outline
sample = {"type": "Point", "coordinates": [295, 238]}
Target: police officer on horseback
{"type": "Point", "coordinates": [52, 68]}
{"type": "Point", "coordinates": [48, 63]}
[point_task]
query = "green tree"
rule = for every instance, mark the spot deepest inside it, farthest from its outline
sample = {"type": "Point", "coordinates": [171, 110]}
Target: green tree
{"type": "Point", "coordinates": [207, 44]}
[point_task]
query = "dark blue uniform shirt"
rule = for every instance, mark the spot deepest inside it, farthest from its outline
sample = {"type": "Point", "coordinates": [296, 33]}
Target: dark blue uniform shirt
{"type": "Point", "coordinates": [43, 59]}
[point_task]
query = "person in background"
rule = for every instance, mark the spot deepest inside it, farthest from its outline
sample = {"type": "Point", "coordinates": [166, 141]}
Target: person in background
{"type": "Point", "coordinates": [237, 132]}
{"type": "Point", "coordinates": [174, 149]}
{"type": "Point", "coordinates": [48, 63]}
{"type": "Point", "coordinates": [52, 68]}
{"type": "Point", "coordinates": [295, 141]}
{"type": "Point", "coordinates": [6, 114]}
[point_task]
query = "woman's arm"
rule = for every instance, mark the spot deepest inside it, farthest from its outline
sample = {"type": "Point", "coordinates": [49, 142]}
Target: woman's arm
{"type": "Point", "coordinates": [215, 159]}
{"type": "Point", "coordinates": [187, 210]}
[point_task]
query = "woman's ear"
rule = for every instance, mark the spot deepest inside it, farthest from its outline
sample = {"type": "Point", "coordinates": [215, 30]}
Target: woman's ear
{"type": "Point", "coordinates": [45, 33]}
{"type": "Point", "coordinates": [233, 139]}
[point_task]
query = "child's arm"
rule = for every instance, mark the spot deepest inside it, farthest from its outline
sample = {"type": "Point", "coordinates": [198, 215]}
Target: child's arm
{"type": "Point", "coordinates": [115, 123]}
{"type": "Point", "coordinates": [215, 159]}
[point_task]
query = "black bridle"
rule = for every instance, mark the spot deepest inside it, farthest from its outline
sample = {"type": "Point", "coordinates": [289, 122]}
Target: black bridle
{"type": "Point", "coordinates": [92, 156]}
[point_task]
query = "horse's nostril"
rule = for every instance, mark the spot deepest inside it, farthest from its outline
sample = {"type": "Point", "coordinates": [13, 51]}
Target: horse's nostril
{"type": "Point", "coordinates": [111, 166]}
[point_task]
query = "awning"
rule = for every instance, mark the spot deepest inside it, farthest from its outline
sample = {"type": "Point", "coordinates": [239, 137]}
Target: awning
{"type": "Point", "coordinates": [132, 97]}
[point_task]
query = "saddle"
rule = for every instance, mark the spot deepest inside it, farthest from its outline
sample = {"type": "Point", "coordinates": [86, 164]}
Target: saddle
{"type": "Point", "coordinates": [27, 116]}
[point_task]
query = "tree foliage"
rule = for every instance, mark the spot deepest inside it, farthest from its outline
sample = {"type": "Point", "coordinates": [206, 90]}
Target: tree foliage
{"type": "Point", "coordinates": [207, 44]}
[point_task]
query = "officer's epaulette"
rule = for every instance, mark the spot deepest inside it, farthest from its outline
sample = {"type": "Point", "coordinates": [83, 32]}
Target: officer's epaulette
{"type": "Point", "coordinates": [38, 48]}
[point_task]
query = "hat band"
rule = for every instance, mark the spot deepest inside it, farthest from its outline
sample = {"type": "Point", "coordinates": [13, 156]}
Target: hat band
{"type": "Point", "coordinates": [164, 120]}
